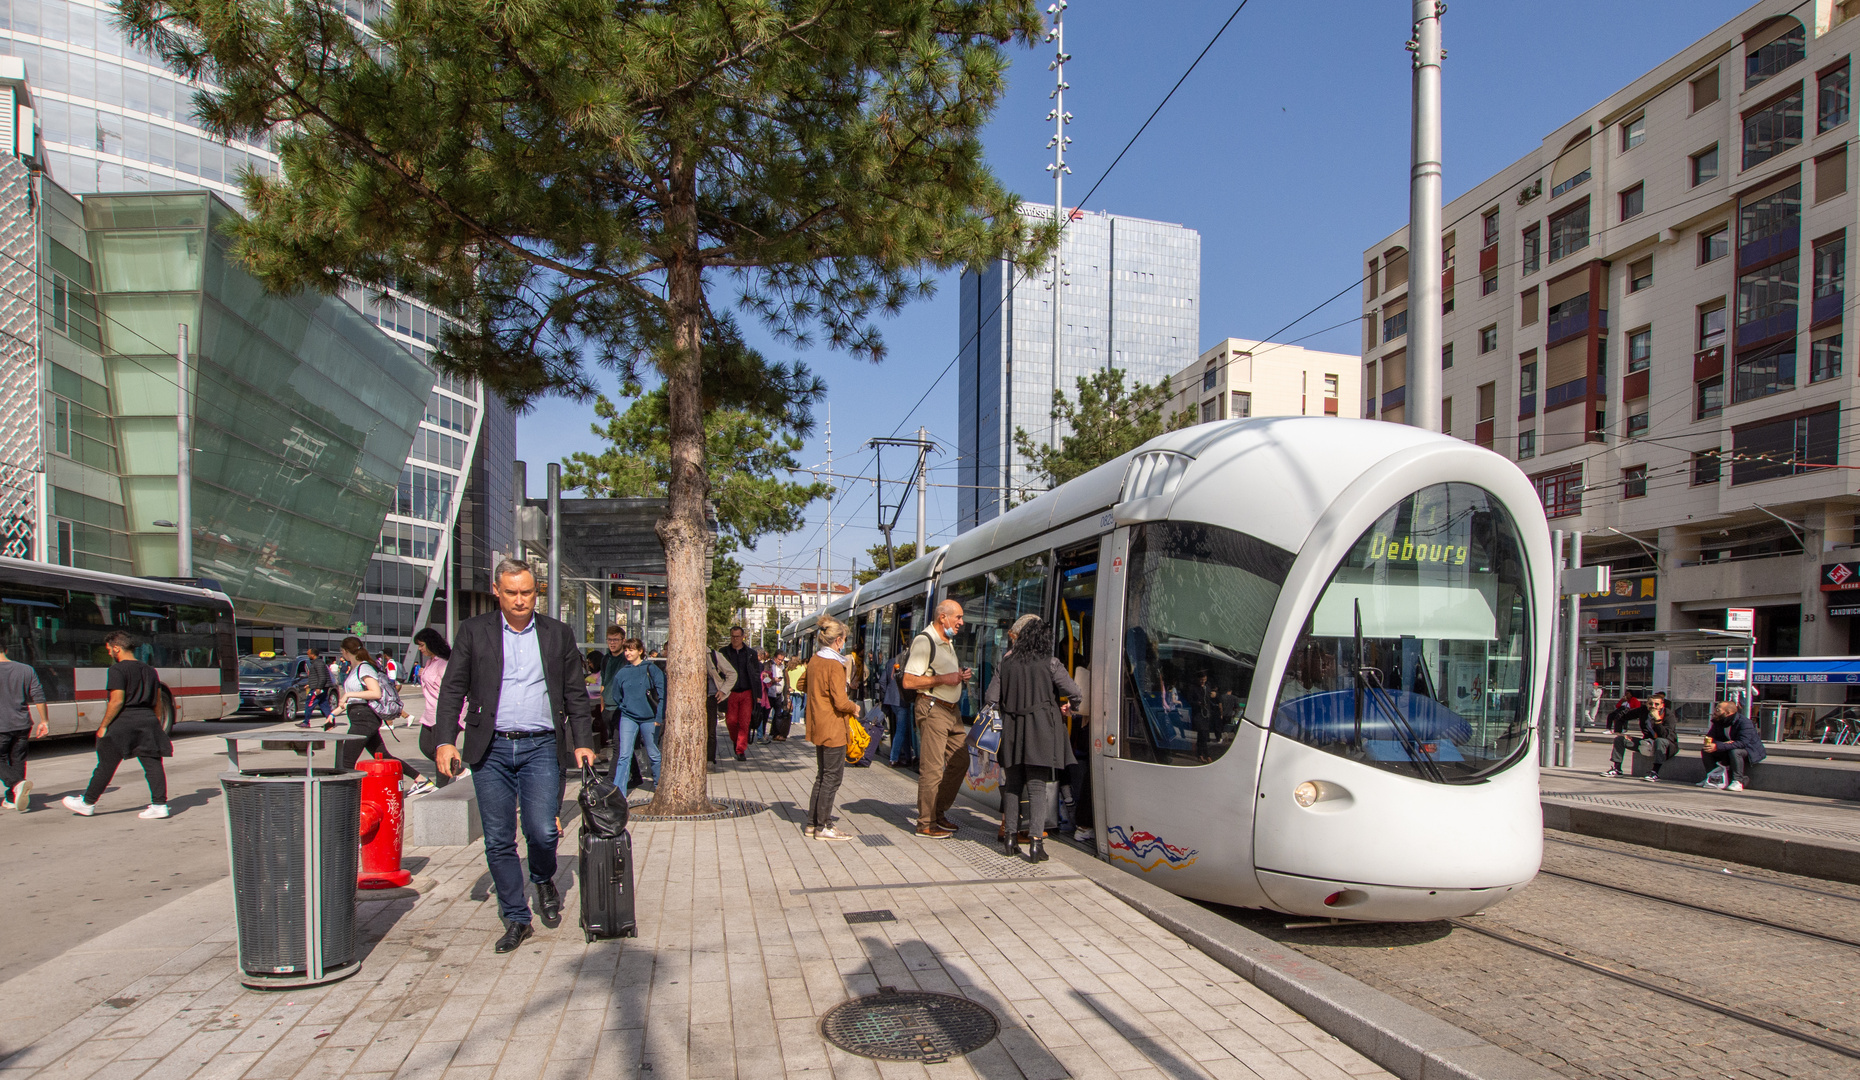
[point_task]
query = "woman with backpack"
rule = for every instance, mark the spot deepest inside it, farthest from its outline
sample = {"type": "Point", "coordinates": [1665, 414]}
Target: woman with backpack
{"type": "Point", "coordinates": [364, 689]}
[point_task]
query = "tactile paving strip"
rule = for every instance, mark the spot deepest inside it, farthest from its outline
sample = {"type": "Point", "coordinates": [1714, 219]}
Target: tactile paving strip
{"type": "Point", "coordinates": [1718, 817]}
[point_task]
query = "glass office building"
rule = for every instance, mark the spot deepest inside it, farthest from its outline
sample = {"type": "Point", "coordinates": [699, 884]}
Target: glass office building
{"type": "Point", "coordinates": [112, 119]}
{"type": "Point", "coordinates": [1130, 298]}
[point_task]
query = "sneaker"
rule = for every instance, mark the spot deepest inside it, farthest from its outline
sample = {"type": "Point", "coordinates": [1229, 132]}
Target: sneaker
{"type": "Point", "coordinates": [742, 757]}
{"type": "Point", "coordinates": [22, 796]}
{"type": "Point", "coordinates": [934, 832]}
{"type": "Point", "coordinates": [154, 812]}
{"type": "Point", "coordinates": [831, 833]}
{"type": "Point", "coordinates": [78, 806]}
{"type": "Point", "coordinates": [464, 771]}
{"type": "Point", "coordinates": [421, 788]}
{"type": "Point", "coordinates": [1612, 772]}
{"type": "Point", "coordinates": [1083, 836]}
{"type": "Point", "coordinates": [1652, 778]}
{"type": "Point", "coordinates": [1734, 786]}
{"type": "Point", "coordinates": [809, 830]}
{"type": "Point", "coordinates": [7, 804]}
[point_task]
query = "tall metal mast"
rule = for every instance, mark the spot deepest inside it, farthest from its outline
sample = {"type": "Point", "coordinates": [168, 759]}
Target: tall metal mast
{"type": "Point", "coordinates": [1060, 118]}
{"type": "Point", "coordinates": [1424, 333]}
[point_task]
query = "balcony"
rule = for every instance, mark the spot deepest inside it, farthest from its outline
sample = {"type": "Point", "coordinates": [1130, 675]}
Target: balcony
{"type": "Point", "coordinates": [1568, 394]}
{"type": "Point", "coordinates": [1394, 326]}
{"type": "Point", "coordinates": [1708, 364]}
{"type": "Point", "coordinates": [1393, 399]}
{"type": "Point", "coordinates": [1580, 178]}
{"type": "Point", "coordinates": [1482, 433]}
{"type": "Point", "coordinates": [1781, 242]}
{"type": "Point", "coordinates": [1571, 323]}
{"type": "Point", "coordinates": [1780, 321]}
{"type": "Point", "coordinates": [1527, 406]}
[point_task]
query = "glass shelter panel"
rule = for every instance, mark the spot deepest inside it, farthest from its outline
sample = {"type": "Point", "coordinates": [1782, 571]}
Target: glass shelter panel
{"type": "Point", "coordinates": [1415, 658]}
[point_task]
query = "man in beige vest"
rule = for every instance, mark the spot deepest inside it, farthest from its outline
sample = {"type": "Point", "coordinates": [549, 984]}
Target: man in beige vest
{"type": "Point", "coordinates": [937, 675]}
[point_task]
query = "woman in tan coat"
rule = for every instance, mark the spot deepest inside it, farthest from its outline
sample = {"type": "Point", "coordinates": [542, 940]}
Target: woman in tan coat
{"type": "Point", "coordinates": [828, 709]}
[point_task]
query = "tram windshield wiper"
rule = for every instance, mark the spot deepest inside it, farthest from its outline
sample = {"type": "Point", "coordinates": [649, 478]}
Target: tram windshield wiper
{"type": "Point", "coordinates": [1404, 732]}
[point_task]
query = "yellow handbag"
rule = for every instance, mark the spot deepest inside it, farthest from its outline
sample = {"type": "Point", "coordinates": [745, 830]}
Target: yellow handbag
{"type": "Point", "coordinates": [856, 739]}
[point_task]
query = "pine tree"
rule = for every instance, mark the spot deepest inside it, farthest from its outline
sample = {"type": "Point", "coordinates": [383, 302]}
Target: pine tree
{"type": "Point", "coordinates": [576, 179]}
{"type": "Point", "coordinates": [1106, 421]}
{"type": "Point", "coordinates": [883, 564]}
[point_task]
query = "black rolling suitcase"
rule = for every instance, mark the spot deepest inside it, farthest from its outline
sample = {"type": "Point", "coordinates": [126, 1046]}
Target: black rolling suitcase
{"type": "Point", "coordinates": [606, 877]}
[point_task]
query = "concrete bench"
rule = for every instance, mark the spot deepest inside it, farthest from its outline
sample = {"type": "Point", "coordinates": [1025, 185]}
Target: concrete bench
{"type": "Point", "coordinates": [444, 818]}
{"type": "Point", "coordinates": [1783, 775]}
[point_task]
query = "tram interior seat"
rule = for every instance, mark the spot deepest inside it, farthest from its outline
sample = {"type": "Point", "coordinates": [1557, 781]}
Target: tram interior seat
{"type": "Point", "coordinates": [1329, 718]}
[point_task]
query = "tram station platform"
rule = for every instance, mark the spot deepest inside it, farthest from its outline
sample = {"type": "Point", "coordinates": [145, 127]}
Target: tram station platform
{"type": "Point", "coordinates": [749, 934]}
{"type": "Point", "coordinates": [1810, 834]}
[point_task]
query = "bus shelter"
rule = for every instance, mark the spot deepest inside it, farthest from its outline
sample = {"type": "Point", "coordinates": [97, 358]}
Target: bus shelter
{"type": "Point", "coordinates": [1703, 665]}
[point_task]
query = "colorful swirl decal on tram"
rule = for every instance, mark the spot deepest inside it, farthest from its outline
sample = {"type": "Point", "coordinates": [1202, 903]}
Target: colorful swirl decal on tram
{"type": "Point", "coordinates": [1146, 851]}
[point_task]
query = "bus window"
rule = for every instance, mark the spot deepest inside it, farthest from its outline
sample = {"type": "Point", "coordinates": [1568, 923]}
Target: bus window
{"type": "Point", "coordinates": [33, 620]}
{"type": "Point", "coordinates": [196, 636]}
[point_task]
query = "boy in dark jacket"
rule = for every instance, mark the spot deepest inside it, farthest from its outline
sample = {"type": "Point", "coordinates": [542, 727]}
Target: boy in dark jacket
{"type": "Point", "coordinates": [1732, 741]}
{"type": "Point", "coordinates": [1629, 715]}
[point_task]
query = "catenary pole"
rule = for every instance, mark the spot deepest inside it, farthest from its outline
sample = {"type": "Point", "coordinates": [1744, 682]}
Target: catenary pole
{"type": "Point", "coordinates": [184, 463]}
{"type": "Point", "coordinates": [1566, 744]}
{"type": "Point", "coordinates": [1424, 331]}
{"type": "Point", "coordinates": [1060, 118]}
{"type": "Point", "coordinates": [923, 478]}
{"type": "Point", "coordinates": [555, 539]}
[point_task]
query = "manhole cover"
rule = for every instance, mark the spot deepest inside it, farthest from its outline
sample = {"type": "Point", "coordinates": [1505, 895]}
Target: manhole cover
{"type": "Point", "coordinates": [909, 1025]}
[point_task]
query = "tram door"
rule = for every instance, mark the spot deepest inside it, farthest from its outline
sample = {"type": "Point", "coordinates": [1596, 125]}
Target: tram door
{"type": "Point", "coordinates": [1107, 628]}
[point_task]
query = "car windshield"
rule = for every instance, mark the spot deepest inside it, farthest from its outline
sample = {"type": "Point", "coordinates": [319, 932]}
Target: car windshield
{"type": "Point", "coordinates": [1414, 659]}
{"type": "Point", "coordinates": [263, 667]}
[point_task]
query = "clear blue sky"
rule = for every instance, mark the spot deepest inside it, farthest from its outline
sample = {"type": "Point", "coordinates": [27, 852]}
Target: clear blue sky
{"type": "Point", "coordinates": [1287, 149]}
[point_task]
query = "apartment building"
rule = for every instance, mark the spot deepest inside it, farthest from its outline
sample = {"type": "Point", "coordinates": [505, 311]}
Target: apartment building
{"type": "Point", "coordinates": [1239, 378]}
{"type": "Point", "coordinates": [789, 602]}
{"type": "Point", "coordinates": [1647, 313]}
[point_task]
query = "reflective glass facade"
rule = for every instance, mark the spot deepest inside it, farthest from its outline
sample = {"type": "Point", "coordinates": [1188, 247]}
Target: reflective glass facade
{"type": "Point", "coordinates": [1130, 299]}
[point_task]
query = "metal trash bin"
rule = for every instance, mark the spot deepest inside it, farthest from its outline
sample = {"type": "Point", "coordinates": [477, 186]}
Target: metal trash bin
{"type": "Point", "coordinates": [293, 835]}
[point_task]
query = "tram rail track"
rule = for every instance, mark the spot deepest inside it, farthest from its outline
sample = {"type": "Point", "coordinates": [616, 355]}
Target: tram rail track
{"type": "Point", "coordinates": [1707, 909]}
{"type": "Point", "coordinates": [1728, 1011]}
{"type": "Point", "coordinates": [1724, 873]}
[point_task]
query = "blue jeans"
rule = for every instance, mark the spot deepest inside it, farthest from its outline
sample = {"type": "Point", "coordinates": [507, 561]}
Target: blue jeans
{"type": "Point", "coordinates": [903, 734]}
{"type": "Point", "coordinates": [631, 732]}
{"type": "Point", "coordinates": [799, 715]}
{"type": "Point", "coordinates": [518, 776]}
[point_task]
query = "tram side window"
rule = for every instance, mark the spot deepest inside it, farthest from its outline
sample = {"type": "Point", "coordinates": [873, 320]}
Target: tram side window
{"type": "Point", "coordinates": [1195, 612]}
{"type": "Point", "coordinates": [1415, 657]}
{"type": "Point", "coordinates": [990, 604]}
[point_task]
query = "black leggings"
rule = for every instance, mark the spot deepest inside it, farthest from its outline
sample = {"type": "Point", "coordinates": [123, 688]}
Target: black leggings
{"type": "Point", "coordinates": [1034, 780]}
{"type": "Point", "coordinates": [109, 757]}
{"type": "Point", "coordinates": [364, 721]}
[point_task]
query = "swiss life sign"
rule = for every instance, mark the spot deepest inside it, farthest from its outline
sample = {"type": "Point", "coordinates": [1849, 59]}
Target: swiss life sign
{"type": "Point", "coordinates": [1740, 618]}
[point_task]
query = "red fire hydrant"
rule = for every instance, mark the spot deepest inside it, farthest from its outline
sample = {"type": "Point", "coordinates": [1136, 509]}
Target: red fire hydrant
{"type": "Point", "coordinates": [383, 816]}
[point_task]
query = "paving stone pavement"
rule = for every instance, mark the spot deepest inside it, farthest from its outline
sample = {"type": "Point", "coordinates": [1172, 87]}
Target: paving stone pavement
{"type": "Point", "coordinates": [743, 945]}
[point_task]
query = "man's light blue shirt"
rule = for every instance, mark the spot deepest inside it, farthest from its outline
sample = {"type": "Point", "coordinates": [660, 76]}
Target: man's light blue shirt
{"type": "Point", "coordinates": [523, 703]}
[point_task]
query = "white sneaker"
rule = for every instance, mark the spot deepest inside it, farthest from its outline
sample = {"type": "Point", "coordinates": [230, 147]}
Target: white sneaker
{"type": "Point", "coordinates": [155, 810]}
{"type": "Point", "coordinates": [78, 806]}
{"type": "Point", "coordinates": [22, 796]}
{"type": "Point", "coordinates": [421, 788]}
{"type": "Point", "coordinates": [1083, 836]}
{"type": "Point", "coordinates": [1733, 786]}
{"type": "Point", "coordinates": [830, 833]}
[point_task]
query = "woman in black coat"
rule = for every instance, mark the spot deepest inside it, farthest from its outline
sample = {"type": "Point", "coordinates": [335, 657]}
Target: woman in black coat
{"type": "Point", "coordinates": [1028, 690]}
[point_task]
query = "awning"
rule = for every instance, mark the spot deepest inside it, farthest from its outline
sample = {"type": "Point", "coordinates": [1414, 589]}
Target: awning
{"type": "Point", "coordinates": [1807, 670]}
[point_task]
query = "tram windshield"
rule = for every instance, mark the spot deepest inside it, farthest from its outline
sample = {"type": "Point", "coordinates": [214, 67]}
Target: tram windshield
{"type": "Point", "coordinates": [1415, 657]}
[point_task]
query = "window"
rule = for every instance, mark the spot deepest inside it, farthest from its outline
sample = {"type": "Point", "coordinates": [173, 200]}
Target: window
{"type": "Point", "coordinates": [1394, 326]}
{"type": "Point", "coordinates": [1710, 397]}
{"type": "Point", "coordinates": [423, 493]}
{"type": "Point", "coordinates": [74, 304]}
{"type": "Point", "coordinates": [1824, 359]}
{"type": "Point", "coordinates": [1195, 612]}
{"type": "Point", "coordinates": [1527, 304]}
{"type": "Point", "coordinates": [1569, 231]}
{"type": "Point", "coordinates": [1763, 372]}
{"type": "Point", "coordinates": [1786, 447]}
{"type": "Point", "coordinates": [1705, 165]}
{"type": "Point", "coordinates": [1561, 491]}
{"type": "Point", "coordinates": [1830, 279]}
{"type": "Point", "coordinates": [1211, 410]}
{"type": "Point", "coordinates": [1715, 245]}
{"type": "Point", "coordinates": [1527, 444]}
{"type": "Point", "coordinates": [1488, 339]}
{"type": "Point", "coordinates": [1640, 350]}
{"type": "Point", "coordinates": [1527, 379]}
{"type": "Point", "coordinates": [1532, 256]}
{"type": "Point", "coordinates": [1330, 384]}
{"type": "Point", "coordinates": [1705, 90]}
{"type": "Point", "coordinates": [1491, 228]}
{"type": "Point", "coordinates": [1711, 326]}
{"type": "Point", "coordinates": [1601, 360]}
{"type": "Point", "coordinates": [1432, 589]}
{"type": "Point", "coordinates": [1210, 378]}
{"type": "Point", "coordinates": [1640, 274]}
{"type": "Point", "coordinates": [1831, 175]}
{"type": "Point", "coordinates": [1773, 48]}
{"type": "Point", "coordinates": [1446, 416]}
{"type": "Point", "coordinates": [1706, 465]}
{"type": "Point", "coordinates": [1772, 129]}
{"type": "Point", "coordinates": [1769, 226]}
{"type": "Point", "coordinates": [1242, 404]}
{"type": "Point", "coordinates": [1634, 482]}
{"type": "Point", "coordinates": [1446, 302]}
{"type": "Point", "coordinates": [1637, 424]}
{"type": "Point", "coordinates": [1633, 132]}
{"type": "Point", "coordinates": [1633, 201]}
{"type": "Point", "coordinates": [1766, 301]}
{"type": "Point", "coordinates": [1832, 99]}
{"type": "Point", "coordinates": [1489, 284]}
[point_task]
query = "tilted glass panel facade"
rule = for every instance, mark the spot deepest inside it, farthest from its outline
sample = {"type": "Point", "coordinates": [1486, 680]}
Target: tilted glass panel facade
{"type": "Point", "coordinates": [302, 413]}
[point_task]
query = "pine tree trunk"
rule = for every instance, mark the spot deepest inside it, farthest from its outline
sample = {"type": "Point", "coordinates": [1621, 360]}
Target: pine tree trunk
{"type": "Point", "coordinates": [683, 785]}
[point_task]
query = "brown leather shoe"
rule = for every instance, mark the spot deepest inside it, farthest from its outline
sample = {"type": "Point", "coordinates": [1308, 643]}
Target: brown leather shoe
{"type": "Point", "coordinates": [935, 832]}
{"type": "Point", "coordinates": [945, 823]}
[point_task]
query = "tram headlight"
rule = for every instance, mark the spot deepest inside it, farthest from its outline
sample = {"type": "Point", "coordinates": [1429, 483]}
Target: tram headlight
{"type": "Point", "coordinates": [1305, 794]}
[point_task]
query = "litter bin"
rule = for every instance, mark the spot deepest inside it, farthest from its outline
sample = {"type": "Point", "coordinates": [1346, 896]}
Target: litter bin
{"type": "Point", "coordinates": [292, 830]}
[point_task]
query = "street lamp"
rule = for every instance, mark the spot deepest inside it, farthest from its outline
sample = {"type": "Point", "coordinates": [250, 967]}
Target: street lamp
{"type": "Point", "coordinates": [164, 523]}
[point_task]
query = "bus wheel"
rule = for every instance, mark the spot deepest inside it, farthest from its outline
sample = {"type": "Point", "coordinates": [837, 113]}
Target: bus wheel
{"type": "Point", "coordinates": [167, 711]}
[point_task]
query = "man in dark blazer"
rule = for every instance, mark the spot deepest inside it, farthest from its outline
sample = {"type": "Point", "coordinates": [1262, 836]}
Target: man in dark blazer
{"type": "Point", "coordinates": [528, 721]}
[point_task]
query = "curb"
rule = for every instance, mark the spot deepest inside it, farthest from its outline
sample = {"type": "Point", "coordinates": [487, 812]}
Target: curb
{"type": "Point", "coordinates": [1411, 1043]}
{"type": "Point", "coordinates": [1752, 847]}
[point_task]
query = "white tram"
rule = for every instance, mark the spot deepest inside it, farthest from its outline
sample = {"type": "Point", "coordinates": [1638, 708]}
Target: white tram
{"type": "Point", "coordinates": [1313, 651]}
